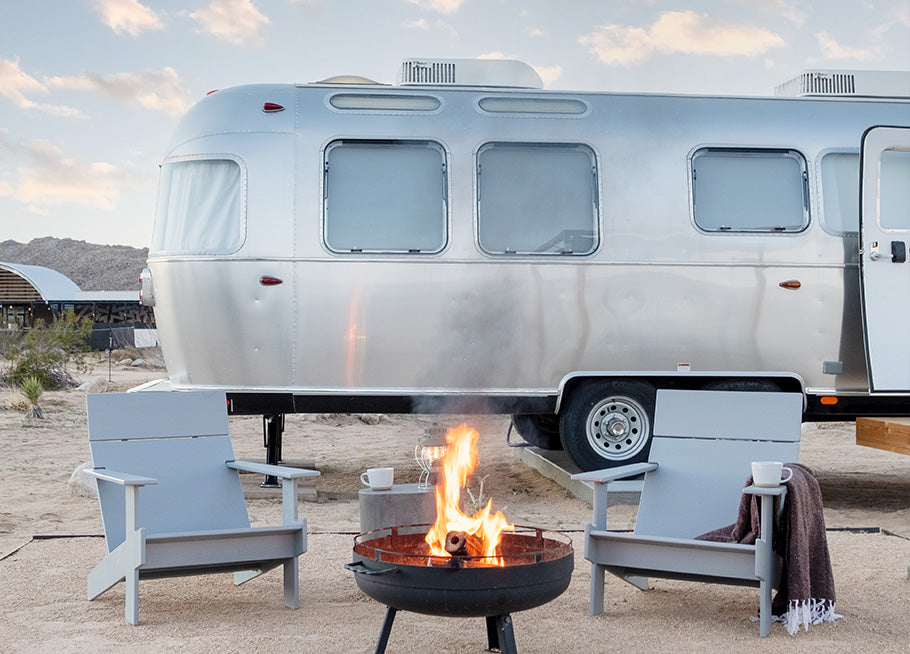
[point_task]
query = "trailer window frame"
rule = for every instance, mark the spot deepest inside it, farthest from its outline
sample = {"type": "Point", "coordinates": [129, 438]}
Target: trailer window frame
{"type": "Point", "coordinates": [836, 197]}
{"type": "Point", "coordinates": [209, 232]}
{"type": "Point", "coordinates": [541, 185]}
{"type": "Point", "coordinates": [376, 191]}
{"type": "Point", "coordinates": [724, 184]}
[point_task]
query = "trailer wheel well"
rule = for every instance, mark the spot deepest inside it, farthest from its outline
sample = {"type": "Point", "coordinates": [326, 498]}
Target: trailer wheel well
{"type": "Point", "coordinates": [688, 381]}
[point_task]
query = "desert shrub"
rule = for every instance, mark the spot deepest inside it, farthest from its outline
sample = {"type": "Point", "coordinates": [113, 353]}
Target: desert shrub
{"type": "Point", "coordinates": [32, 389]}
{"type": "Point", "coordinates": [48, 352]}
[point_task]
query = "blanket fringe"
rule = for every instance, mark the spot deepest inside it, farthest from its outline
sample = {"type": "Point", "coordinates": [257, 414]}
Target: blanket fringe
{"type": "Point", "coordinates": [802, 613]}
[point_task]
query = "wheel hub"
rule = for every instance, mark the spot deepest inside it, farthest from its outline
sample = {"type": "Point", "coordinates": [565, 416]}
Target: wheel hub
{"type": "Point", "coordinates": [617, 428]}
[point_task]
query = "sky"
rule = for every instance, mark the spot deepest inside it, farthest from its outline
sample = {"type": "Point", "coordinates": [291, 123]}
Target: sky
{"type": "Point", "coordinates": [91, 90]}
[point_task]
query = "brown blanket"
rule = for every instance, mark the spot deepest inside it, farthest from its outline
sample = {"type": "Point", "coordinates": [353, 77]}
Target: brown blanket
{"type": "Point", "coordinates": [806, 593]}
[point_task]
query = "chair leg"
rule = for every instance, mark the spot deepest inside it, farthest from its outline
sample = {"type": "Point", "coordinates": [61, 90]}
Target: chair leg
{"type": "Point", "coordinates": [764, 609]}
{"type": "Point", "coordinates": [291, 584]}
{"type": "Point", "coordinates": [132, 597]}
{"type": "Point", "coordinates": [597, 590]}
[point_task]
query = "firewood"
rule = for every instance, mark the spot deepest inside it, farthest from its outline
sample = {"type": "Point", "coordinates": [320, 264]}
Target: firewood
{"type": "Point", "coordinates": [461, 543]}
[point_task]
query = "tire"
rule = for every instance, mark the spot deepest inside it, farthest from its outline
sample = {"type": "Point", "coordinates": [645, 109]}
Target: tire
{"type": "Point", "coordinates": [608, 423]}
{"type": "Point", "coordinates": [539, 429]}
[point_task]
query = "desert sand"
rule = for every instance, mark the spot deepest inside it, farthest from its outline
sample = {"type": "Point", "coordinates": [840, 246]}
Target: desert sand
{"type": "Point", "coordinates": [51, 537]}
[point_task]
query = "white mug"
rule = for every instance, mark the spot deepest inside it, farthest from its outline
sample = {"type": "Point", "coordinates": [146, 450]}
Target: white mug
{"type": "Point", "coordinates": [378, 478]}
{"type": "Point", "coordinates": [768, 473]}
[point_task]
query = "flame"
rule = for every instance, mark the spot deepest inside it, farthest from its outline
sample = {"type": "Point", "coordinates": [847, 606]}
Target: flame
{"type": "Point", "coordinates": [458, 463]}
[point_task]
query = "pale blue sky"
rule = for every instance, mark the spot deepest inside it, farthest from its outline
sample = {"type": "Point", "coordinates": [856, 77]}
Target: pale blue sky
{"type": "Point", "coordinates": [90, 90]}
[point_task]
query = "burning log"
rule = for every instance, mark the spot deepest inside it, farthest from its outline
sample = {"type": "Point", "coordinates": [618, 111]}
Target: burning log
{"type": "Point", "coordinates": [461, 543]}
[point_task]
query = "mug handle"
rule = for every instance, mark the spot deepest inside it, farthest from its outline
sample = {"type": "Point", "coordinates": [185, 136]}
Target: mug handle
{"type": "Point", "coordinates": [784, 480]}
{"type": "Point", "coordinates": [363, 479]}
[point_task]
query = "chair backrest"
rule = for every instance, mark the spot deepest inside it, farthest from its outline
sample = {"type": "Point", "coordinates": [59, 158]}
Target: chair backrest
{"type": "Point", "coordinates": [704, 443]}
{"type": "Point", "coordinates": [179, 438]}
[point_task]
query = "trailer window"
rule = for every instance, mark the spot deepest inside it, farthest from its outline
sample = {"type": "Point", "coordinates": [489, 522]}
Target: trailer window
{"type": "Point", "coordinates": [200, 207]}
{"type": "Point", "coordinates": [750, 190]}
{"type": "Point", "coordinates": [385, 196]}
{"type": "Point", "coordinates": [840, 191]}
{"type": "Point", "coordinates": [894, 190]}
{"type": "Point", "coordinates": [536, 199]}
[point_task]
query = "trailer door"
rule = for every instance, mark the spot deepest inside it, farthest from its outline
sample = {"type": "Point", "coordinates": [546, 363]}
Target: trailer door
{"type": "Point", "coordinates": [884, 245]}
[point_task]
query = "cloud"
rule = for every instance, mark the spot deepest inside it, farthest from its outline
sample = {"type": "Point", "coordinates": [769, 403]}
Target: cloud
{"type": "Point", "coordinates": [420, 24]}
{"type": "Point", "coordinates": [831, 49]}
{"type": "Point", "coordinates": [437, 25]}
{"type": "Point", "coordinates": [158, 90]}
{"type": "Point", "coordinates": [787, 9]}
{"type": "Point", "coordinates": [235, 21]}
{"type": "Point", "coordinates": [17, 85]}
{"type": "Point", "coordinates": [685, 32]}
{"type": "Point", "coordinates": [47, 178]}
{"type": "Point", "coordinates": [129, 16]}
{"type": "Point", "coordinates": [442, 6]}
{"type": "Point", "coordinates": [548, 74]}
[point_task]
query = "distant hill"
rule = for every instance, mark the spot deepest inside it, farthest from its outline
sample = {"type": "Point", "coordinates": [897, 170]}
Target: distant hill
{"type": "Point", "coordinates": [92, 267]}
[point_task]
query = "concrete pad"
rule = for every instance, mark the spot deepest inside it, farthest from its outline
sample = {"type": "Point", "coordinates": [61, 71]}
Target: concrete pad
{"type": "Point", "coordinates": [556, 465]}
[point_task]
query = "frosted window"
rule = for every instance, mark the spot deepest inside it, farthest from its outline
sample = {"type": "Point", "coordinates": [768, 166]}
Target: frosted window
{"type": "Point", "coordinates": [894, 185]}
{"type": "Point", "coordinates": [383, 196]}
{"type": "Point", "coordinates": [536, 199]}
{"type": "Point", "coordinates": [840, 191]}
{"type": "Point", "coordinates": [200, 207]}
{"type": "Point", "coordinates": [750, 190]}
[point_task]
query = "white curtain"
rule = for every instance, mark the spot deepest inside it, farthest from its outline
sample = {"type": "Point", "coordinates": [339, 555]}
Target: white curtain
{"type": "Point", "coordinates": [200, 207]}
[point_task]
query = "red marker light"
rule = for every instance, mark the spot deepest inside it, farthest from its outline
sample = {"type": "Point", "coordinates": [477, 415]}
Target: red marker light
{"type": "Point", "coordinates": [272, 108]}
{"type": "Point", "coordinates": [268, 280]}
{"type": "Point", "coordinates": [212, 91]}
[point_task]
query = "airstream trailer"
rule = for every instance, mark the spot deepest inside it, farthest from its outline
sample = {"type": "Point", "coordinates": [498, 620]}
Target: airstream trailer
{"type": "Point", "coordinates": [465, 241]}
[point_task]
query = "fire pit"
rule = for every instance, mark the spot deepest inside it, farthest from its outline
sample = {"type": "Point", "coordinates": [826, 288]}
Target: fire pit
{"type": "Point", "coordinates": [461, 565]}
{"type": "Point", "coordinates": [394, 566]}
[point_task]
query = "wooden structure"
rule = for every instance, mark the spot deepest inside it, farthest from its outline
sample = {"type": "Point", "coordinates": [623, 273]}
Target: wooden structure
{"type": "Point", "coordinates": [891, 434]}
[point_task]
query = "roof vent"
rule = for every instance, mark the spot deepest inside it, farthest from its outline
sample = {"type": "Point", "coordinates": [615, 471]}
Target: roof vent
{"type": "Point", "coordinates": [846, 83]}
{"type": "Point", "coordinates": [469, 72]}
{"type": "Point", "coordinates": [348, 79]}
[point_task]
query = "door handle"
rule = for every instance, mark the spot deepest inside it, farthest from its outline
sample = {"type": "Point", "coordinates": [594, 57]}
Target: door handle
{"type": "Point", "coordinates": [898, 252]}
{"type": "Point", "coordinates": [873, 251]}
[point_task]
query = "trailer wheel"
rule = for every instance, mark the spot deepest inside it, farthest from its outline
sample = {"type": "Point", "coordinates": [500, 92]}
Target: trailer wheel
{"type": "Point", "coordinates": [539, 429]}
{"type": "Point", "coordinates": [608, 423]}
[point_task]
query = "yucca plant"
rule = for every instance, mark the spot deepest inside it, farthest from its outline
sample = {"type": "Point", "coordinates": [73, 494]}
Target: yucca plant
{"type": "Point", "coordinates": [32, 389]}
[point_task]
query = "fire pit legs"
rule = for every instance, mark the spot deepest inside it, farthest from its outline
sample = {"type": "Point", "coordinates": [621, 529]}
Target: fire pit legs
{"type": "Point", "coordinates": [500, 636]}
{"type": "Point", "coordinates": [386, 630]}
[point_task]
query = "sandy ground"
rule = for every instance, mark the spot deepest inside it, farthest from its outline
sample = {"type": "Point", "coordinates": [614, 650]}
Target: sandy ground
{"type": "Point", "coordinates": [51, 537]}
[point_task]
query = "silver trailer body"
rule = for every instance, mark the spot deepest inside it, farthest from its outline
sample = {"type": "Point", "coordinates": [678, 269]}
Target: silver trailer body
{"type": "Point", "coordinates": [338, 246]}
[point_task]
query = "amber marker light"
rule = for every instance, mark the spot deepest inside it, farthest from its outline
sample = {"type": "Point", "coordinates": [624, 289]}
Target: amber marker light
{"type": "Point", "coordinates": [829, 400]}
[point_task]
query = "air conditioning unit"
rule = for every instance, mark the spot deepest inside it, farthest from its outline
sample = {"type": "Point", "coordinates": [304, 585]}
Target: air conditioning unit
{"type": "Point", "coordinates": [847, 83]}
{"type": "Point", "coordinates": [469, 72]}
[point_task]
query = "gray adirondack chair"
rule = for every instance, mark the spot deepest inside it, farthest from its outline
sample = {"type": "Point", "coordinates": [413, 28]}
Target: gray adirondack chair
{"type": "Point", "coordinates": [701, 454]}
{"type": "Point", "coordinates": [190, 515]}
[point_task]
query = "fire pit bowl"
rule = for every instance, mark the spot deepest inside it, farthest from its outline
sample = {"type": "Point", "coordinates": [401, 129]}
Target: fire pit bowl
{"type": "Point", "coordinates": [392, 566]}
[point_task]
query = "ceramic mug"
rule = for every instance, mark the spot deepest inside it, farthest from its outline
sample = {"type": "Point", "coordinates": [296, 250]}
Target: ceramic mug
{"type": "Point", "coordinates": [769, 473]}
{"type": "Point", "coordinates": [378, 478]}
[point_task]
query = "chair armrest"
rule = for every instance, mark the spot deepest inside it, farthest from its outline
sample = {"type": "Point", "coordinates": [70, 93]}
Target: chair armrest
{"type": "Point", "coordinates": [283, 472]}
{"type": "Point", "coordinates": [121, 478]}
{"type": "Point", "coordinates": [612, 474]}
{"type": "Point", "coordinates": [765, 490]}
